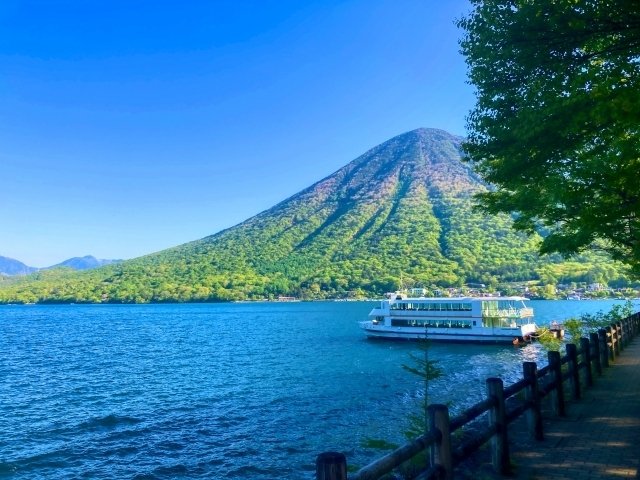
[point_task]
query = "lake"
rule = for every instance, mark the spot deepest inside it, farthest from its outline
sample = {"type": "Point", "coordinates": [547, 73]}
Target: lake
{"type": "Point", "coordinates": [229, 391]}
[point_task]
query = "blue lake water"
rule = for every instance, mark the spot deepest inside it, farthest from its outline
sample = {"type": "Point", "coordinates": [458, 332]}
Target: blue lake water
{"type": "Point", "coordinates": [229, 391]}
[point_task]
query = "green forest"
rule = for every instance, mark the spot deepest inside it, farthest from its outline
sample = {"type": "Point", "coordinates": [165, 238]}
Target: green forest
{"type": "Point", "coordinates": [400, 215]}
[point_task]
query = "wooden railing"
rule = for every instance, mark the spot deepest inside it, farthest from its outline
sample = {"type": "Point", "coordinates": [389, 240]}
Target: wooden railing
{"type": "Point", "coordinates": [502, 406]}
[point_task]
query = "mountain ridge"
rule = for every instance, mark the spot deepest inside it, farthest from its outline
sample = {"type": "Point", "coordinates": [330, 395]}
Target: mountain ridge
{"type": "Point", "coordinates": [85, 262]}
{"type": "Point", "coordinates": [402, 211]}
{"type": "Point", "coordinates": [11, 266]}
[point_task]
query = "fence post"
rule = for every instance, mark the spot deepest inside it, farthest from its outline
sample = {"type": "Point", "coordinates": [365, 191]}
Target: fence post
{"type": "Point", "coordinates": [620, 330]}
{"type": "Point", "coordinates": [610, 343]}
{"type": "Point", "coordinates": [604, 349]}
{"type": "Point", "coordinates": [331, 466]}
{"type": "Point", "coordinates": [555, 368]}
{"type": "Point", "coordinates": [532, 397]}
{"type": "Point", "coordinates": [498, 420]}
{"type": "Point", "coordinates": [574, 373]}
{"type": "Point", "coordinates": [595, 354]}
{"type": "Point", "coordinates": [441, 453]}
{"type": "Point", "coordinates": [620, 344]}
{"type": "Point", "coordinates": [586, 359]}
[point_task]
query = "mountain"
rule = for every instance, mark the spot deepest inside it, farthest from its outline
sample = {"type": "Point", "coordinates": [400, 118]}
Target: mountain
{"type": "Point", "coordinates": [9, 266]}
{"type": "Point", "coordinates": [84, 263]}
{"type": "Point", "coordinates": [12, 267]}
{"type": "Point", "coordinates": [402, 213]}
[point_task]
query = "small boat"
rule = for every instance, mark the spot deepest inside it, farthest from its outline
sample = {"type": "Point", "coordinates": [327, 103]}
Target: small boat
{"type": "Point", "coordinates": [556, 329]}
{"type": "Point", "coordinates": [459, 319]}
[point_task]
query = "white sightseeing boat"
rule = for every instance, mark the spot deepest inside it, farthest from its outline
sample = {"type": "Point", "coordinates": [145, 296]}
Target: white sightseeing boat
{"type": "Point", "coordinates": [460, 319]}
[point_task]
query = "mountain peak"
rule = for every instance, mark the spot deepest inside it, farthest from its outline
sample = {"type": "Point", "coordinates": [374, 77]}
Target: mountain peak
{"type": "Point", "coordinates": [10, 266]}
{"type": "Point", "coordinates": [400, 213]}
{"type": "Point", "coordinates": [83, 263]}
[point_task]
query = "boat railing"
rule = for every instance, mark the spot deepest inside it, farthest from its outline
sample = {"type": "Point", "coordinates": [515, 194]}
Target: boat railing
{"type": "Point", "coordinates": [502, 407]}
{"type": "Point", "coordinates": [508, 312]}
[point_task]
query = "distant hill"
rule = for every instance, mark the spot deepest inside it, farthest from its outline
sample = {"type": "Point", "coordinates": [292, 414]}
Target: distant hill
{"type": "Point", "coordinates": [84, 263]}
{"type": "Point", "coordinates": [10, 266]}
{"type": "Point", "coordinates": [401, 213]}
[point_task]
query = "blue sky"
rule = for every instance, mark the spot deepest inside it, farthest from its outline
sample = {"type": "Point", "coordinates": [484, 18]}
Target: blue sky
{"type": "Point", "coordinates": [127, 127]}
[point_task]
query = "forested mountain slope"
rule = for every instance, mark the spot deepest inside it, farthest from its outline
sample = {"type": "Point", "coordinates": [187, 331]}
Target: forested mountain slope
{"type": "Point", "coordinates": [402, 211]}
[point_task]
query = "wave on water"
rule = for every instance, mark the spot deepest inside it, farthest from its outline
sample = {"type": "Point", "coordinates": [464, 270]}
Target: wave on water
{"type": "Point", "coordinates": [157, 392]}
{"type": "Point", "coordinates": [7, 468]}
{"type": "Point", "coordinates": [107, 422]}
{"type": "Point", "coordinates": [251, 471]}
{"type": "Point", "coordinates": [170, 471]}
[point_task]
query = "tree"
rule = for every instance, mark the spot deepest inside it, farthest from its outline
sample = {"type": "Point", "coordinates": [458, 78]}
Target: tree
{"type": "Point", "coordinates": [427, 370]}
{"type": "Point", "coordinates": [556, 126]}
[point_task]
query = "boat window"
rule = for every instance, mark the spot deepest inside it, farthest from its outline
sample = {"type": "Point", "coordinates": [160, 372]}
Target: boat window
{"type": "Point", "coordinates": [443, 306]}
{"type": "Point", "coordinates": [430, 323]}
{"type": "Point", "coordinates": [489, 306]}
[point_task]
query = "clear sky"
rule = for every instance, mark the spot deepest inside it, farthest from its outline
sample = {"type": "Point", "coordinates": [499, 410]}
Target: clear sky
{"type": "Point", "coordinates": [128, 126]}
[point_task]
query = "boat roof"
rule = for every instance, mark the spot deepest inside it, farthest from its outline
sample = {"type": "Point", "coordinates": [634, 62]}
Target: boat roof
{"type": "Point", "coordinates": [453, 299]}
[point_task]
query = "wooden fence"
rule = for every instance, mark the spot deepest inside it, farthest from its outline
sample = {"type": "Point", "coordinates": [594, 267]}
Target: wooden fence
{"type": "Point", "coordinates": [503, 406]}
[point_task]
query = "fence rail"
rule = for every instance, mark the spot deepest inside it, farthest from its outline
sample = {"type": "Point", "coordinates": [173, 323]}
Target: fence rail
{"type": "Point", "coordinates": [502, 406]}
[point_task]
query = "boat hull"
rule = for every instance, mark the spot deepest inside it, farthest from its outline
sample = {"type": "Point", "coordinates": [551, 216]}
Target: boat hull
{"type": "Point", "coordinates": [477, 335]}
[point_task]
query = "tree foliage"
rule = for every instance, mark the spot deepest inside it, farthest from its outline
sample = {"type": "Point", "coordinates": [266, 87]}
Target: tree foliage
{"type": "Point", "coordinates": [575, 328]}
{"type": "Point", "coordinates": [556, 126]}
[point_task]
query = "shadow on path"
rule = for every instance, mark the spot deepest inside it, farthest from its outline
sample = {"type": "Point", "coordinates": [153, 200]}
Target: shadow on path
{"type": "Point", "coordinates": [598, 439]}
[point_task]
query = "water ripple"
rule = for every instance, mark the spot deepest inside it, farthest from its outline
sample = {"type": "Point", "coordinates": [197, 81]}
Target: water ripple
{"type": "Point", "coordinates": [234, 391]}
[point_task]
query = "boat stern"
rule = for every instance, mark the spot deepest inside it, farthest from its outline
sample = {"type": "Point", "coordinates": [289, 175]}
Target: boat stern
{"type": "Point", "coordinates": [528, 329]}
